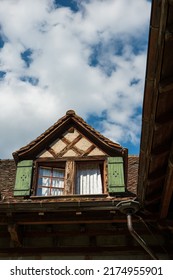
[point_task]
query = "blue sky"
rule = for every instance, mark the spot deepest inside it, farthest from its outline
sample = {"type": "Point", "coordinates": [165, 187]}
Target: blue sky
{"type": "Point", "coordinates": [89, 56]}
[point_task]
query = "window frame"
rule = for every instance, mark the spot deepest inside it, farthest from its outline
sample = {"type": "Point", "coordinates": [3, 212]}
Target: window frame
{"type": "Point", "coordinates": [50, 177]}
{"type": "Point", "coordinates": [70, 177]}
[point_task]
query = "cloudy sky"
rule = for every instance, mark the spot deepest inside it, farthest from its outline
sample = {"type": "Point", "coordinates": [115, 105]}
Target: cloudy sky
{"type": "Point", "coordinates": [85, 55]}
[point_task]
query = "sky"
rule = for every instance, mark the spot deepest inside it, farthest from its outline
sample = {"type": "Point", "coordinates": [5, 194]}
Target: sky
{"type": "Point", "coordinates": [85, 55]}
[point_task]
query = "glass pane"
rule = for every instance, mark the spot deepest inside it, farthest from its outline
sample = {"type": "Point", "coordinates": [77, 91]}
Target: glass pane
{"type": "Point", "coordinates": [58, 173]}
{"type": "Point", "coordinates": [45, 172]}
{"type": "Point", "coordinates": [52, 181]}
{"type": "Point", "coordinates": [58, 183]}
{"type": "Point", "coordinates": [56, 191]}
{"type": "Point", "coordinates": [39, 191]}
{"type": "Point", "coordinates": [45, 182]}
{"type": "Point", "coordinates": [43, 191]}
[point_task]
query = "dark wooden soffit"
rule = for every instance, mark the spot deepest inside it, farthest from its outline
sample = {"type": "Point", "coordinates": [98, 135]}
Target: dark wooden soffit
{"type": "Point", "coordinates": [62, 125]}
{"type": "Point", "coordinates": [155, 182]}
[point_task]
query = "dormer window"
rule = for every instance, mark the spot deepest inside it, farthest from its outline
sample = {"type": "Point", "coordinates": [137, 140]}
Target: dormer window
{"type": "Point", "coordinates": [70, 158]}
{"type": "Point", "coordinates": [70, 177]}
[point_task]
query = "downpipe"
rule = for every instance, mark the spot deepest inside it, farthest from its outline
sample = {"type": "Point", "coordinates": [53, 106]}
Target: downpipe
{"type": "Point", "coordinates": [138, 238]}
{"type": "Point", "coordinates": [131, 207]}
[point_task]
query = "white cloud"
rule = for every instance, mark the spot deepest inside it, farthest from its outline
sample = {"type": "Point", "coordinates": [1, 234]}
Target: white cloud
{"type": "Point", "coordinates": [63, 48]}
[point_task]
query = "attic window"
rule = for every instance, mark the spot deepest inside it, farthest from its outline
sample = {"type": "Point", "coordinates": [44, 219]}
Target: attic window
{"type": "Point", "coordinates": [50, 181]}
{"type": "Point", "coordinates": [69, 177]}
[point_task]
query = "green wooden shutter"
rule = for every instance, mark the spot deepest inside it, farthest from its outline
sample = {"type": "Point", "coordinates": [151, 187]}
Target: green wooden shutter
{"type": "Point", "coordinates": [116, 175]}
{"type": "Point", "coordinates": [23, 178]}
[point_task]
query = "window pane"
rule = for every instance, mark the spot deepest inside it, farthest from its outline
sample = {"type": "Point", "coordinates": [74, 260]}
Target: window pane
{"type": "Point", "coordinates": [58, 183]}
{"type": "Point", "coordinates": [45, 172]}
{"type": "Point", "coordinates": [50, 181]}
{"type": "Point", "coordinates": [58, 173]}
{"type": "Point", "coordinates": [44, 182]}
{"type": "Point", "coordinates": [39, 191]}
{"type": "Point", "coordinates": [43, 191]}
{"type": "Point", "coordinates": [56, 191]}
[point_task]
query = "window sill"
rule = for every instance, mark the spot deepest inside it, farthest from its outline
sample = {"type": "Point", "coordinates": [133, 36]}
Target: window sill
{"type": "Point", "coordinates": [70, 196]}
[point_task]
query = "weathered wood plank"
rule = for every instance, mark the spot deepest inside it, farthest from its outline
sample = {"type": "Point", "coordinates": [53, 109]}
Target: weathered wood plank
{"type": "Point", "coordinates": [128, 250]}
{"type": "Point", "coordinates": [12, 229]}
{"type": "Point", "coordinates": [69, 177]}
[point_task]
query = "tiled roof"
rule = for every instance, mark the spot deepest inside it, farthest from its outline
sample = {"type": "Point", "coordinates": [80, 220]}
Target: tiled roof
{"type": "Point", "coordinates": [7, 178]}
{"type": "Point", "coordinates": [133, 163]}
{"type": "Point", "coordinates": [8, 172]}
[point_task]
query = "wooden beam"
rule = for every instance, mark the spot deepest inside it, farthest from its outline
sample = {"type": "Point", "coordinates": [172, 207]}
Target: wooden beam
{"type": "Point", "coordinates": [52, 152]}
{"type": "Point", "coordinates": [165, 119]}
{"type": "Point", "coordinates": [76, 233]}
{"type": "Point", "coordinates": [152, 200]}
{"type": "Point", "coordinates": [25, 220]}
{"type": "Point", "coordinates": [76, 158]}
{"type": "Point", "coordinates": [67, 222]}
{"type": "Point", "coordinates": [165, 224]}
{"type": "Point", "coordinates": [169, 34]}
{"type": "Point", "coordinates": [35, 219]}
{"type": "Point", "coordinates": [166, 85]}
{"type": "Point", "coordinates": [69, 177]}
{"type": "Point", "coordinates": [168, 190]}
{"type": "Point", "coordinates": [82, 230]}
{"type": "Point", "coordinates": [75, 250]}
{"type": "Point", "coordinates": [170, 2]}
{"type": "Point", "coordinates": [62, 205]}
{"type": "Point", "coordinates": [12, 229]}
{"type": "Point", "coordinates": [70, 145]}
{"type": "Point", "coordinates": [89, 150]}
{"type": "Point", "coordinates": [119, 231]}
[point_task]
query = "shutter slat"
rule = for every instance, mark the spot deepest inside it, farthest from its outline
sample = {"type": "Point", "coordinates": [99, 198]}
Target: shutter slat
{"type": "Point", "coordinates": [116, 175]}
{"type": "Point", "coordinates": [23, 178]}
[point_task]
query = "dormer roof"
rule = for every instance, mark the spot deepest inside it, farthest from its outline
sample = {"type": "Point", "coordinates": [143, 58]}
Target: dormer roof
{"type": "Point", "coordinates": [67, 122]}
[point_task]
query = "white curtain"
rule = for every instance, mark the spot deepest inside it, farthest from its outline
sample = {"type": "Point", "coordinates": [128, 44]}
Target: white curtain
{"type": "Point", "coordinates": [88, 179]}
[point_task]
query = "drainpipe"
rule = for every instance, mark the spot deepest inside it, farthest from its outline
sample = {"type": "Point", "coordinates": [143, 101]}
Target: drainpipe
{"type": "Point", "coordinates": [130, 207]}
{"type": "Point", "coordinates": [138, 238]}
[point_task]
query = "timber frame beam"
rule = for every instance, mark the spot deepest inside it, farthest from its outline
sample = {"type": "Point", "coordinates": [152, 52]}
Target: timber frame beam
{"type": "Point", "coordinates": [14, 234]}
{"type": "Point", "coordinates": [168, 188]}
